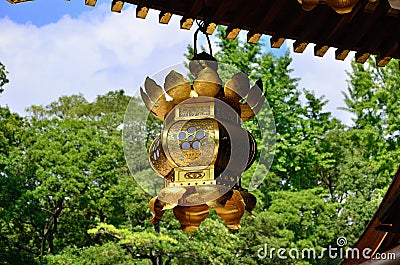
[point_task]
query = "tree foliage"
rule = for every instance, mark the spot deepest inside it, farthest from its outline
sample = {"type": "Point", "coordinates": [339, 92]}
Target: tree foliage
{"type": "Point", "coordinates": [3, 77]}
{"type": "Point", "coordinates": [67, 196]}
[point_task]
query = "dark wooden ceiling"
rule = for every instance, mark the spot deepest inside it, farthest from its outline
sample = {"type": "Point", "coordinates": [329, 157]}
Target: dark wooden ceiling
{"type": "Point", "coordinates": [372, 27]}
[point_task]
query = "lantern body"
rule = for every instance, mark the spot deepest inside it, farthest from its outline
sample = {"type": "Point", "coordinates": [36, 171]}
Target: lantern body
{"type": "Point", "coordinates": [202, 143]}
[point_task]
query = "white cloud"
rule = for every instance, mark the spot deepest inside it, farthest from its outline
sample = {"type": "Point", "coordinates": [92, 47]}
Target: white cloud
{"type": "Point", "coordinates": [101, 51]}
{"type": "Point", "coordinates": [325, 76]}
{"type": "Point", "coordinates": [92, 54]}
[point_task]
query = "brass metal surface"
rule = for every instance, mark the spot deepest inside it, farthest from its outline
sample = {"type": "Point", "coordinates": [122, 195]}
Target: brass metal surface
{"type": "Point", "coordinates": [233, 211]}
{"type": "Point", "coordinates": [158, 160]}
{"type": "Point", "coordinates": [177, 87]}
{"type": "Point", "coordinates": [237, 87]}
{"type": "Point", "coordinates": [192, 143]}
{"type": "Point", "coordinates": [190, 217]}
{"type": "Point", "coordinates": [156, 209]}
{"type": "Point", "coordinates": [193, 176]}
{"type": "Point", "coordinates": [207, 83]}
{"type": "Point", "coordinates": [171, 195]}
{"type": "Point", "coordinates": [198, 111]}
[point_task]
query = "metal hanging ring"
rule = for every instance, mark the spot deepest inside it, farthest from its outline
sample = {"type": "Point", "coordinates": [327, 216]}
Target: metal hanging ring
{"type": "Point", "coordinates": [203, 30]}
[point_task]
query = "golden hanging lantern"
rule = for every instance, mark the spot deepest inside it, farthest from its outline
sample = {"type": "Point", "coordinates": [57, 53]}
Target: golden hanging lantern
{"type": "Point", "coordinates": [202, 150]}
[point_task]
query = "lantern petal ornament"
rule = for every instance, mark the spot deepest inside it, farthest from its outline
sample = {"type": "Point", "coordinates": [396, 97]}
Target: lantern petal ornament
{"type": "Point", "coordinates": [221, 201]}
{"type": "Point", "coordinates": [246, 112]}
{"type": "Point", "coordinates": [156, 100]}
{"type": "Point", "coordinates": [255, 95]}
{"type": "Point", "coordinates": [146, 100]}
{"type": "Point", "coordinates": [233, 211]}
{"type": "Point", "coordinates": [207, 83]}
{"type": "Point", "coordinates": [308, 5]}
{"type": "Point", "coordinates": [177, 87]}
{"type": "Point", "coordinates": [153, 90]}
{"type": "Point", "coordinates": [395, 4]}
{"type": "Point", "coordinates": [201, 61]}
{"type": "Point", "coordinates": [171, 195]}
{"type": "Point", "coordinates": [237, 87]}
{"type": "Point", "coordinates": [156, 208]}
{"type": "Point", "coordinates": [206, 194]}
{"type": "Point", "coordinates": [250, 201]}
{"type": "Point", "coordinates": [162, 107]}
{"type": "Point", "coordinates": [259, 105]}
{"type": "Point", "coordinates": [190, 217]}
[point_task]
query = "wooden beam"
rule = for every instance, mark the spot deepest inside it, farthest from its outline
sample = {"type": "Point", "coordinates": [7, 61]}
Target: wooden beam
{"type": "Point", "coordinates": [142, 11]}
{"type": "Point", "coordinates": [242, 12]}
{"type": "Point", "coordinates": [273, 12]}
{"type": "Point", "coordinates": [368, 30]}
{"type": "Point", "coordinates": [345, 21]}
{"type": "Point", "coordinates": [232, 33]}
{"type": "Point", "coordinates": [211, 28]}
{"type": "Point", "coordinates": [382, 60]}
{"type": "Point", "coordinates": [371, 6]}
{"type": "Point", "coordinates": [341, 54]}
{"type": "Point", "coordinates": [299, 46]}
{"type": "Point", "coordinates": [276, 42]}
{"type": "Point", "coordinates": [393, 12]}
{"type": "Point", "coordinates": [90, 2]}
{"type": "Point", "coordinates": [164, 17]}
{"type": "Point", "coordinates": [116, 6]}
{"type": "Point", "coordinates": [189, 16]}
{"type": "Point", "coordinates": [186, 23]}
{"type": "Point", "coordinates": [309, 27]}
{"type": "Point", "coordinates": [362, 57]}
{"type": "Point", "coordinates": [320, 50]}
{"type": "Point", "coordinates": [253, 37]}
{"type": "Point", "coordinates": [218, 10]}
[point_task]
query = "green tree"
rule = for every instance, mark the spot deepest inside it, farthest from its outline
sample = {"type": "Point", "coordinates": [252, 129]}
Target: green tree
{"type": "Point", "coordinates": [11, 185]}
{"type": "Point", "coordinates": [3, 77]}
{"type": "Point", "coordinates": [64, 173]}
{"type": "Point", "coordinates": [300, 127]}
{"type": "Point", "coordinates": [373, 97]}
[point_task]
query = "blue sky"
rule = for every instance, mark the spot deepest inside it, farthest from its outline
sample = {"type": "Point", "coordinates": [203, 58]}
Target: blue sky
{"type": "Point", "coordinates": [57, 47]}
{"type": "Point", "coordinates": [42, 12]}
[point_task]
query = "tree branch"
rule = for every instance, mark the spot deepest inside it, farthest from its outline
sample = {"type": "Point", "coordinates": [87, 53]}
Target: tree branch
{"type": "Point", "coordinates": [19, 246]}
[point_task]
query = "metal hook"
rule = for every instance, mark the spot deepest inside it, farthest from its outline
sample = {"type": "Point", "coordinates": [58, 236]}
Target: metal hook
{"type": "Point", "coordinates": [202, 29]}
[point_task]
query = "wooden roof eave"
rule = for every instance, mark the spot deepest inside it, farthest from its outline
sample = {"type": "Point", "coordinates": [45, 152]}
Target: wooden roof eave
{"type": "Point", "coordinates": [374, 237]}
{"type": "Point", "coordinates": [371, 28]}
